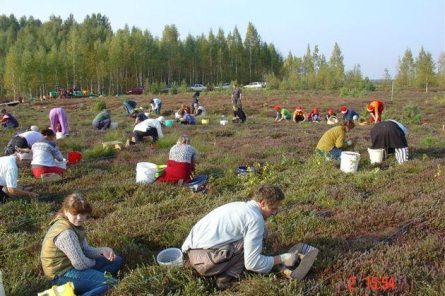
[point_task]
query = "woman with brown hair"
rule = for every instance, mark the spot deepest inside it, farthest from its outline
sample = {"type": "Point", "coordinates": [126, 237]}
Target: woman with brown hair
{"type": "Point", "coordinates": [66, 255]}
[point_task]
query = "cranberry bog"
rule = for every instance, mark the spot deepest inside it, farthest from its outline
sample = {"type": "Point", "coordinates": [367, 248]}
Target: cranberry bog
{"type": "Point", "coordinates": [379, 231]}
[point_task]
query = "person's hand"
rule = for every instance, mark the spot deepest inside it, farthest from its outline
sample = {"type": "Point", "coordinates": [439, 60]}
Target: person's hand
{"type": "Point", "coordinates": [108, 253]}
{"type": "Point", "coordinates": [288, 259]}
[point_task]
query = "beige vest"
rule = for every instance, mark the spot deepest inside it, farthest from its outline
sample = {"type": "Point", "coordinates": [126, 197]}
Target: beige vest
{"type": "Point", "coordinates": [54, 261]}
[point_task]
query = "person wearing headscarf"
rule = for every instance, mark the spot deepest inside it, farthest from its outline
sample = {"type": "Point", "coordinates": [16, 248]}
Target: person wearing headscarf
{"type": "Point", "coordinates": [391, 135]}
{"type": "Point", "coordinates": [375, 109]}
{"type": "Point", "coordinates": [299, 115]}
{"type": "Point", "coordinates": [282, 114]}
{"type": "Point", "coordinates": [349, 114]}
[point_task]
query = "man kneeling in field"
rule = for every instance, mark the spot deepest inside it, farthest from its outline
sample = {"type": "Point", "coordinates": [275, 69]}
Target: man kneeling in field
{"type": "Point", "coordinates": [230, 238]}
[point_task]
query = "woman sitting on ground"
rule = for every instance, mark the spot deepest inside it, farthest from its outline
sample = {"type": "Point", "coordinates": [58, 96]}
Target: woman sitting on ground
{"type": "Point", "coordinates": [332, 142]}
{"type": "Point", "coordinates": [181, 162]}
{"type": "Point", "coordinates": [182, 111]}
{"type": "Point", "coordinates": [66, 255]}
{"type": "Point", "coordinates": [330, 114]}
{"type": "Point", "coordinates": [44, 154]}
{"type": "Point", "coordinates": [314, 116]}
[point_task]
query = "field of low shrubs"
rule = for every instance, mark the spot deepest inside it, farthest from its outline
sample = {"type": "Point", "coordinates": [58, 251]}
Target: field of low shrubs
{"type": "Point", "coordinates": [383, 221]}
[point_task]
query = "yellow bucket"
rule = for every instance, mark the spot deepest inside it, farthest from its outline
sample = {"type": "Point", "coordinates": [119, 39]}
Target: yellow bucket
{"type": "Point", "coordinates": [205, 121]}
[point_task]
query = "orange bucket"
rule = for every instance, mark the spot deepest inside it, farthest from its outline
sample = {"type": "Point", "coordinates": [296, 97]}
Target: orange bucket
{"type": "Point", "coordinates": [74, 157]}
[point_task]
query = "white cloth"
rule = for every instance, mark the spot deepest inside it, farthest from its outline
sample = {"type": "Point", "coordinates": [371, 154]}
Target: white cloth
{"type": "Point", "coordinates": [44, 152]}
{"type": "Point", "coordinates": [31, 137]}
{"type": "Point", "coordinates": [144, 125]}
{"type": "Point", "coordinates": [204, 111]}
{"type": "Point", "coordinates": [9, 172]}
{"type": "Point", "coordinates": [229, 223]}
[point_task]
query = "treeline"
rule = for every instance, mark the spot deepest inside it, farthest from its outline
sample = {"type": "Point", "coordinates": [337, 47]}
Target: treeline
{"type": "Point", "coordinates": [37, 57]}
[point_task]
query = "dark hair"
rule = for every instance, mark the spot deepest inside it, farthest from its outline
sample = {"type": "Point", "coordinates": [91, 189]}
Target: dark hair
{"type": "Point", "coordinates": [270, 193]}
{"type": "Point", "coordinates": [348, 123]}
{"type": "Point", "coordinates": [3, 111]}
{"type": "Point", "coordinates": [48, 132]}
{"type": "Point", "coordinates": [196, 94]}
{"type": "Point", "coordinates": [76, 203]}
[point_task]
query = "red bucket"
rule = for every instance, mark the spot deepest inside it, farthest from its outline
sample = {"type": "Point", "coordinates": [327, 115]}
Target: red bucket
{"type": "Point", "coordinates": [74, 157]}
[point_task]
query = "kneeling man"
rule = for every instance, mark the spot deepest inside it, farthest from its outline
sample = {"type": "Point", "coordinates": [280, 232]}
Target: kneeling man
{"type": "Point", "coordinates": [230, 238]}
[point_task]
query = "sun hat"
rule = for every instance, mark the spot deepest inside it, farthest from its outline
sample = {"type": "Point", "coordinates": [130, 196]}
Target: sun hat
{"type": "Point", "coordinates": [298, 108]}
{"type": "Point", "coordinates": [370, 108]}
{"type": "Point", "coordinates": [343, 110]}
{"type": "Point", "coordinates": [330, 112]}
{"type": "Point", "coordinates": [277, 108]}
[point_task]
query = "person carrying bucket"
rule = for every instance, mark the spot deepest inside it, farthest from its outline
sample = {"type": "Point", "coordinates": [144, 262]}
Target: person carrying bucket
{"type": "Point", "coordinates": [282, 114]}
{"type": "Point", "coordinates": [66, 255]}
{"type": "Point", "coordinates": [147, 128]}
{"type": "Point", "coordinates": [44, 154]}
{"type": "Point", "coordinates": [58, 120]}
{"type": "Point", "coordinates": [102, 121]}
{"type": "Point", "coordinates": [181, 162]}
{"type": "Point", "coordinates": [299, 115]}
{"type": "Point", "coordinates": [391, 136]}
{"type": "Point", "coordinates": [8, 121]}
{"type": "Point", "coordinates": [375, 109]}
{"type": "Point", "coordinates": [229, 239]}
{"type": "Point", "coordinates": [332, 143]}
{"type": "Point", "coordinates": [349, 114]}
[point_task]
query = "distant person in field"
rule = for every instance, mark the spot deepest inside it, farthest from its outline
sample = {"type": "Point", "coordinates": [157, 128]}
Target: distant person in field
{"type": "Point", "coordinates": [375, 109]}
{"type": "Point", "coordinates": [330, 114]}
{"type": "Point", "coordinates": [58, 120]}
{"type": "Point", "coordinates": [238, 112]}
{"type": "Point", "coordinates": [200, 111]}
{"type": "Point", "coordinates": [195, 101]}
{"type": "Point", "coordinates": [182, 111]}
{"type": "Point", "coordinates": [9, 174]}
{"type": "Point", "coordinates": [138, 116]}
{"type": "Point", "coordinates": [391, 135]}
{"type": "Point", "coordinates": [349, 114]}
{"type": "Point", "coordinates": [314, 116]}
{"type": "Point", "coordinates": [148, 128]}
{"type": "Point", "coordinates": [8, 121]}
{"type": "Point", "coordinates": [44, 154]}
{"type": "Point", "coordinates": [66, 255]}
{"type": "Point", "coordinates": [332, 143]}
{"type": "Point", "coordinates": [181, 162]}
{"type": "Point", "coordinates": [23, 140]}
{"type": "Point", "coordinates": [129, 105]}
{"type": "Point", "coordinates": [156, 105]}
{"type": "Point", "coordinates": [229, 239]}
{"type": "Point", "coordinates": [282, 114]}
{"type": "Point", "coordinates": [299, 115]}
{"type": "Point", "coordinates": [102, 121]}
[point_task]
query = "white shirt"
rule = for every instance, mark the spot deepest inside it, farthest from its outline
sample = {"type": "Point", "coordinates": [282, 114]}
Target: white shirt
{"type": "Point", "coordinates": [44, 152]}
{"type": "Point", "coordinates": [229, 223]}
{"type": "Point", "coordinates": [31, 137]}
{"type": "Point", "coordinates": [147, 123]}
{"type": "Point", "coordinates": [155, 103]}
{"type": "Point", "coordinates": [9, 171]}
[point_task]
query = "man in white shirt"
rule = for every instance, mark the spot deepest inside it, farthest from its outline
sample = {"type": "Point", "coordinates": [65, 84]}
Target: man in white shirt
{"type": "Point", "coordinates": [230, 238]}
{"type": "Point", "coordinates": [147, 128]}
{"type": "Point", "coordinates": [9, 173]}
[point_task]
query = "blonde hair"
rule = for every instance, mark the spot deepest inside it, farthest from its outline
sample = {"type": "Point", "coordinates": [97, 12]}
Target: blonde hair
{"type": "Point", "coordinates": [76, 203]}
{"type": "Point", "coordinates": [183, 139]}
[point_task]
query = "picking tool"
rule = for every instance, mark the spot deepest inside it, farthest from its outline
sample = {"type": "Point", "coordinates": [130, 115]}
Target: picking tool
{"type": "Point", "coordinates": [307, 255]}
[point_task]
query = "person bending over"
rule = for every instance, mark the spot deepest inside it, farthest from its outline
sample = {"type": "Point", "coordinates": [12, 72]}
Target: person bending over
{"type": "Point", "coordinates": [44, 154]}
{"type": "Point", "coordinates": [332, 143]}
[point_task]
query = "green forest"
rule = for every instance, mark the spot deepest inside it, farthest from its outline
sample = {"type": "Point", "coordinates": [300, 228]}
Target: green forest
{"type": "Point", "coordinates": [37, 57]}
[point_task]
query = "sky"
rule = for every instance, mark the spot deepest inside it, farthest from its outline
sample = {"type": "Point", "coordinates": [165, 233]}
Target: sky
{"type": "Point", "coordinates": [373, 33]}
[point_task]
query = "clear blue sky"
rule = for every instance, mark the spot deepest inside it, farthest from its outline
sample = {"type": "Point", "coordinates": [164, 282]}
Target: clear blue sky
{"type": "Point", "coordinates": [370, 33]}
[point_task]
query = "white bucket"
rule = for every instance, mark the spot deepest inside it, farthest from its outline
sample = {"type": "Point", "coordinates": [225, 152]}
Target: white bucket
{"type": "Point", "coordinates": [61, 164]}
{"type": "Point", "coordinates": [2, 288]}
{"type": "Point", "coordinates": [170, 257]}
{"type": "Point", "coordinates": [59, 135]}
{"type": "Point", "coordinates": [349, 161]}
{"type": "Point", "coordinates": [223, 122]}
{"type": "Point", "coordinates": [376, 155]}
{"type": "Point", "coordinates": [145, 172]}
{"type": "Point", "coordinates": [114, 124]}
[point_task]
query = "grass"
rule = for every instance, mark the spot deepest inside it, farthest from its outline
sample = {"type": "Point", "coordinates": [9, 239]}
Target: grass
{"type": "Point", "coordinates": [344, 215]}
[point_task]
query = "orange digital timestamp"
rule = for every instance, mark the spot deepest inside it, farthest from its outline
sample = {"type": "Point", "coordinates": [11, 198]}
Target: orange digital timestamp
{"type": "Point", "coordinates": [374, 283]}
